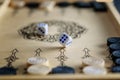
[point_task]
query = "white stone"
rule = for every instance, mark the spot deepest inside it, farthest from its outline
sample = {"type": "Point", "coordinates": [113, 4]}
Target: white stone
{"type": "Point", "coordinates": [94, 70]}
{"type": "Point", "coordinates": [94, 61]}
{"type": "Point", "coordinates": [39, 69]}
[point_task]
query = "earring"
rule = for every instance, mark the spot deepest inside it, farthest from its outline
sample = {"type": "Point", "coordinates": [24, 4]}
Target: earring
{"type": "Point", "coordinates": [9, 69]}
{"type": "Point", "coordinates": [62, 68]}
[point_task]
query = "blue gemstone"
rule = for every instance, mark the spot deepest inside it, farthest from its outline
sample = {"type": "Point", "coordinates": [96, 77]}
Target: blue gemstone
{"type": "Point", "coordinates": [116, 69]}
{"type": "Point", "coordinates": [62, 70]}
{"type": "Point", "coordinates": [7, 71]}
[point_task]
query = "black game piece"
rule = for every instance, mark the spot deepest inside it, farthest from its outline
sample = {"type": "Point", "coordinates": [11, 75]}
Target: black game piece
{"type": "Point", "coordinates": [32, 5]}
{"type": "Point", "coordinates": [82, 4]}
{"type": "Point", "coordinates": [117, 5]}
{"type": "Point", "coordinates": [63, 4]}
{"type": "Point", "coordinates": [115, 69]}
{"type": "Point", "coordinates": [63, 69]}
{"type": "Point", "coordinates": [116, 54]}
{"type": "Point", "coordinates": [117, 61]}
{"type": "Point", "coordinates": [99, 6]}
{"type": "Point", "coordinates": [8, 71]}
{"type": "Point", "coordinates": [114, 47]}
{"type": "Point", "coordinates": [112, 40]}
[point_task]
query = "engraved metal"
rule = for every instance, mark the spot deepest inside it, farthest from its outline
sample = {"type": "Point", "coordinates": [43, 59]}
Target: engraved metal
{"type": "Point", "coordinates": [12, 58]}
{"type": "Point", "coordinates": [38, 51]}
{"type": "Point", "coordinates": [62, 58]}
{"type": "Point", "coordinates": [86, 50]}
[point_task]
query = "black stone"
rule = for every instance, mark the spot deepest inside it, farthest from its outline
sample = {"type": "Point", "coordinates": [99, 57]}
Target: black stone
{"type": "Point", "coordinates": [82, 4]}
{"type": "Point", "coordinates": [114, 47]}
{"type": "Point", "coordinates": [116, 54]}
{"type": "Point", "coordinates": [8, 71]}
{"type": "Point", "coordinates": [32, 5]}
{"type": "Point", "coordinates": [112, 40]}
{"type": "Point", "coordinates": [117, 5]}
{"type": "Point", "coordinates": [99, 6]}
{"type": "Point", "coordinates": [63, 4]}
{"type": "Point", "coordinates": [62, 70]}
{"type": "Point", "coordinates": [115, 69]}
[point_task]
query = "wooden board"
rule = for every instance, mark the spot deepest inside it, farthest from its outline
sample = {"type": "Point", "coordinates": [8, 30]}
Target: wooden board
{"type": "Point", "coordinates": [99, 27]}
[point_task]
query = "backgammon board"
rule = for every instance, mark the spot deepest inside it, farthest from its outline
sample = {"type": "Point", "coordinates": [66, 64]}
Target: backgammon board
{"type": "Point", "coordinates": [96, 27]}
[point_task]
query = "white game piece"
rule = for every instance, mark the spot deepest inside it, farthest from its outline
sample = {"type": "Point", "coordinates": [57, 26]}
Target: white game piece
{"type": "Point", "coordinates": [48, 5]}
{"type": "Point", "coordinates": [39, 69]}
{"type": "Point", "coordinates": [94, 70]}
{"type": "Point", "coordinates": [19, 3]}
{"type": "Point", "coordinates": [42, 29]}
{"type": "Point", "coordinates": [94, 61]}
{"type": "Point", "coordinates": [65, 39]}
{"type": "Point", "coordinates": [38, 60]}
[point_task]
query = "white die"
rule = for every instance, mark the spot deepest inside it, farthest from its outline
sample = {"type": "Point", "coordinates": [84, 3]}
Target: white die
{"type": "Point", "coordinates": [65, 39]}
{"type": "Point", "coordinates": [42, 29]}
{"type": "Point", "coordinates": [48, 5]}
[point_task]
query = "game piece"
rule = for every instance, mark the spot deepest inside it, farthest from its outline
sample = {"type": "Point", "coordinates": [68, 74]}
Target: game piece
{"type": "Point", "coordinates": [94, 61]}
{"type": "Point", "coordinates": [117, 4]}
{"type": "Point", "coordinates": [42, 29]}
{"type": "Point", "coordinates": [112, 40]}
{"type": "Point", "coordinates": [37, 59]}
{"type": "Point", "coordinates": [39, 69]}
{"type": "Point", "coordinates": [114, 47]}
{"type": "Point", "coordinates": [116, 54]}
{"type": "Point", "coordinates": [117, 61]}
{"type": "Point", "coordinates": [94, 70]}
{"type": "Point", "coordinates": [48, 5]}
{"type": "Point", "coordinates": [62, 69]}
{"type": "Point", "coordinates": [115, 69]}
{"type": "Point", "coordinates": [32, 5]}
{"type": "Point", "coordinates": [80, 4]}
{"type": "Point", "coordinates": [65, 39]}
{"type": "Point", "coordinates": [9, 69]}
{"type": "Point", "coordinates": [99, 6]}
{"type": "Point", "coordinates": [90, 60]}
{"type": "Point", "coordinates": [63, 4]}
{"type": "Point", "coordinates": [18, 3]}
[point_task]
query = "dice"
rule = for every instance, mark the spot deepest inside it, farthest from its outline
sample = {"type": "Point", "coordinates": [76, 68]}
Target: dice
{"type": "Point", "coordinates": [42, 29]}
{"type": "Point", "coordinates": [65, 39]}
